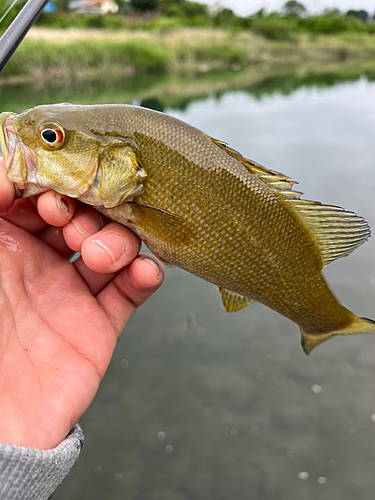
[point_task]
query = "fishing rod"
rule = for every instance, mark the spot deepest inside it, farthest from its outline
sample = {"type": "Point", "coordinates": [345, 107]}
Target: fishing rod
{"type": "Point", "coordinates": [18, 29]}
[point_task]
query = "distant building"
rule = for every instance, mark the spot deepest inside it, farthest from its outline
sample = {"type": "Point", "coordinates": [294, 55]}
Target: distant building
{"type": "Point", "coordinates": [94, 6]}
{"type": "Point", "coordinates": [50, 7]}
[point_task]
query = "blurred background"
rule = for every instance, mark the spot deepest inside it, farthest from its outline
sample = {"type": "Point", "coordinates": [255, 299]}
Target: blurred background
{"type": "Point", "coordinates": [199, 404]}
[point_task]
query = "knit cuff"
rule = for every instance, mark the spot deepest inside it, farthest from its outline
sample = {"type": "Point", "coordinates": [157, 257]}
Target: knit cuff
{"type": "Point", "coordinates": [27, 474]}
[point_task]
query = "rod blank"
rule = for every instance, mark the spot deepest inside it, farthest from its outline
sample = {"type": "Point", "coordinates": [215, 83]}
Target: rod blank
{"type": "Point", "coordinates": [18, 29]}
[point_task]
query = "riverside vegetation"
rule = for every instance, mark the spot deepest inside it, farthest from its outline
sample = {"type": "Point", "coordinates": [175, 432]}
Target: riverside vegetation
{"type": "Point", "coordinates": [182, 37]}
{"type": "Point", "coordinates": [59, 56]}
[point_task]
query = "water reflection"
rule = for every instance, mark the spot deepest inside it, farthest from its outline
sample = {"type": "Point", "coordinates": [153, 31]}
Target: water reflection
{"type": "Point", "coordinates": [199, 404]}
{"type": "Point", "coordinates": [178, 91]}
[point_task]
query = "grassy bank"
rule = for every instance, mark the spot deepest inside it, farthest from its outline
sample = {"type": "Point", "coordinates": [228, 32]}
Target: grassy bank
{"type": "Point", "coordinates": [54, 57]}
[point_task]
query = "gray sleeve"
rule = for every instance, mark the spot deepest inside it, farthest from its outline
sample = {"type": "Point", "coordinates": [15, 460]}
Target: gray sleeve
{"type": "Point", "coordinates": [27, 474]}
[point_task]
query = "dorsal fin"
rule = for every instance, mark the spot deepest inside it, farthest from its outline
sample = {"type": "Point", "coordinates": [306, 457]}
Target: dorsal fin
{"type": "Point", "coordinates": [274, 179]}
{"type": "Point", "coordinates": [336, 231]}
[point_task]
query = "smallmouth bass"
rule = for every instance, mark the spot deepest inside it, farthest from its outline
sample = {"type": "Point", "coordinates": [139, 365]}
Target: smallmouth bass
{"type": "Point", "coordinates": [195, 202]}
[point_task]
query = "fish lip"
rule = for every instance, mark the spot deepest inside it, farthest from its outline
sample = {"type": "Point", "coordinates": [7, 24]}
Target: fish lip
{"type": "Point", "coordinates": [8, 146]}
{"type": "Point", "coordinates": [5, 118]}
{"type": "Point", "coordinates": [13, 149]}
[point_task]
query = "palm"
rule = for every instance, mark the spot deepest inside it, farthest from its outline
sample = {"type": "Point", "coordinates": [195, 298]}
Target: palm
{"type": "Point", "coordinates": [59, 321]}
{"type": "Point", "coordinates": [54, 356]}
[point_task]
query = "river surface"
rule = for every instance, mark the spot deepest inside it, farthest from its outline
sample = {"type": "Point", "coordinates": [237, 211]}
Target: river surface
{"type": "Point", "coordinates": [199, 404]}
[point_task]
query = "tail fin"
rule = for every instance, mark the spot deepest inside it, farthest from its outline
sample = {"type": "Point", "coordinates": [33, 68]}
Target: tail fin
{"type": "Point", "coordinates": [358, 325]}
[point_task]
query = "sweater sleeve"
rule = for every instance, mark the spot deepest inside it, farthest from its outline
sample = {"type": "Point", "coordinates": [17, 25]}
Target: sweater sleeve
{"type": "Point", "coordinates": [27, 474]}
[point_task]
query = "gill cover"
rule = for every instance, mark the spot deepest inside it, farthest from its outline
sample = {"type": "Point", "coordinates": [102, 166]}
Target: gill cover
{"type": "Point", "coordinates": [41, 153]}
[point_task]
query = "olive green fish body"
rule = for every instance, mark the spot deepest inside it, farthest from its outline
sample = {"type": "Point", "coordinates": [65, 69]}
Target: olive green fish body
{"type": "Point", "coordinates": [236, 240]}
{"type": "Point", "coordinates": [201, 206]}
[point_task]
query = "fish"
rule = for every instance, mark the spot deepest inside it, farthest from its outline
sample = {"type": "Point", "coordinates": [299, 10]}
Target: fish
{"type": "Point", "coordinates": [197, 204]}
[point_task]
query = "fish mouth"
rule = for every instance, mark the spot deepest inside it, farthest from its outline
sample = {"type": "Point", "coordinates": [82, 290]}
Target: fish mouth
{"type": "Point", "coordinates": [20, 160]}
{"type": "Point", "coordinates": [7, 142]}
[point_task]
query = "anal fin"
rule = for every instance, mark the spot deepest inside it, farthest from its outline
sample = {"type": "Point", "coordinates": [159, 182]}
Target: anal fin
{"type": "Point", "coordinates": [233, 301]}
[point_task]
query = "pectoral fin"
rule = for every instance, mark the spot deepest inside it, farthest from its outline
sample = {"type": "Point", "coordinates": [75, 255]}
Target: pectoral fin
{"type": "Point", "coordinates": [166, 226]}
{"type": "Point", "coordinates": [232, 301]}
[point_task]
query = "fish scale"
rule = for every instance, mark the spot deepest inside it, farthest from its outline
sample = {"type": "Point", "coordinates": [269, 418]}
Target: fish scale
{"type": "Point", "coordinates": [247, 271]}
{"type": "Point", "coordinates": [197, 204]}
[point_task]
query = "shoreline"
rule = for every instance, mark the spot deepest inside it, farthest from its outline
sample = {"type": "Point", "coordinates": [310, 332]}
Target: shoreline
{"type": "Point", "coordinates": [54, 57]}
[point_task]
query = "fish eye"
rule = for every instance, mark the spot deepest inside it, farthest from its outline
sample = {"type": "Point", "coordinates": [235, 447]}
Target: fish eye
{"type": "Point", "coordinates": [52, 135]}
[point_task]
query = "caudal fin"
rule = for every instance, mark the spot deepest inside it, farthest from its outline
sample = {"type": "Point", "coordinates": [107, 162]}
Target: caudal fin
{"type": "Point", "coordinates": [358, 325]}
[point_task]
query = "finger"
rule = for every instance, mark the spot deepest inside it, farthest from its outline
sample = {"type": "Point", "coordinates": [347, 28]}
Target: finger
{"type": "Point", "coordinates": [130, 289]}
{"type": "Point", "coordinates": [7, 191]}
{"type": "Point", "coordinates": [95, 281]}
{"type": "Point", "coordinates": [84, 223]}
{"type": "Point", "coordinates": [53, 236]}
{"type": "Point", "coordinates": [56, 209]}
{"type": "Point", "coordinates": [110, 249]}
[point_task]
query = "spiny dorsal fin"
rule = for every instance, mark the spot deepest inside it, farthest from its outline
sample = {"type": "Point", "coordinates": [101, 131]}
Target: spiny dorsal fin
{"type": "Point", "coordinates": [233, 301]}
{"type": "Point", "coordinates": [337, 232]}
{"type": "Point", "coordinates": [274, 179]}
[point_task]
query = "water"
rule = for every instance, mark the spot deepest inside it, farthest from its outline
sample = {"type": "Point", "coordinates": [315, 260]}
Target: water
{"type": "Point", "coordinates": [202, 405]}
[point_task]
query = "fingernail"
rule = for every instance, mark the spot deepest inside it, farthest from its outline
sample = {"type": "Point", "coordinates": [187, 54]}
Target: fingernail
{"type": "Point", "coordinates": [64, 207]}
{"type": "Point", "coordinates": [87, 223]}
{"type": "Point", "coordinates": [113, 244]}
{"type": "Point", "coordinates": [157, 265]}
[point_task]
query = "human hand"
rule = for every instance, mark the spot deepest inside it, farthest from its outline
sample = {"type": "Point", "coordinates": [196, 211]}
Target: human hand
{"type": "Point", "coordinates": [59, 321]}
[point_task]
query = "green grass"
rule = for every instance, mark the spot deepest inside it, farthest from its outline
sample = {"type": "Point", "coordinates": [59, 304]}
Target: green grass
{"type": "Point", "coordinates": [225, 53]}
{"type": "Point", "coordinates": [274, 28]}
{"type": "Point", "coordinates": [37, 57]}
{"type": "Point", "coordinates": [46, 55]}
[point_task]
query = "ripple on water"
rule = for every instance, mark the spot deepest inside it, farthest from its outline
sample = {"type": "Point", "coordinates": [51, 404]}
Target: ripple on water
{"type": "Point", "coordinates": [316, 388]}
{"type": "Point", "coordinates": [303, 475]}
